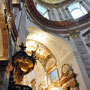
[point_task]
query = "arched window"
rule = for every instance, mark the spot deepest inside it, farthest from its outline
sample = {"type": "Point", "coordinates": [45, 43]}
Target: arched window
{"type": "Point", "coordinates": [42, 10]}
{"type": "Point", "coordinates": [77, 10]}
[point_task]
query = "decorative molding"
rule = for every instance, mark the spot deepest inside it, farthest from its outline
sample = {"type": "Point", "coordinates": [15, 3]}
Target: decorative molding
{"type": "Point", "coordinates": [68, 58]}
{"type": "Point", "coordinates": [74, 34]}
{"type": "Point", "coordinates": [54, 3]}
{"type": "Point", "coordinates": [86, 33]}
{"type": "Point", "coordinates": [4, 58]}
{"type": "Point", "coordinates": [68, 77]}
{"type": "Point", "coordinates": [53, 85]}
{"type": "Point", "coordinates": [51, 69]}
{"type": "Point", "coordinates": [65, 70]}
{"type": "Point", "coordinates": [64, 25]}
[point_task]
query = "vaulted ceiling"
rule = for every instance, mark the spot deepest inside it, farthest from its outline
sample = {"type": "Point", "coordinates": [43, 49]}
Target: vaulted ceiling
{"type": "Point", "coordinates": [54, 3]}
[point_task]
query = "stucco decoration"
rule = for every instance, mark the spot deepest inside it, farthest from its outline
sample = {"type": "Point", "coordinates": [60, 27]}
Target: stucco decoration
{"type": "Point", "coordinates": [61, 50]}
{"type": "Point", "coordinates": [58, 47]}
{"type": "Point", "coordinates": [68, 78]}
{"type": "Point", "coordinates": [3, 38]}
{"type": "Point", "coordinates": [42, 53]}
{"type": "Point", "coordinates": [51, 62]}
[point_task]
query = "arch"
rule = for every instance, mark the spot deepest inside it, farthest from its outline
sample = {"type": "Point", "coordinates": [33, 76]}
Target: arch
{"type": "Point", "coordinates": [42, 53]}
{"type": "Point", "coordinates": [55, 26]}
{"type": "Point", "coordinates": [51, 63]}
{"type": "Point", "coordinates": [61, 50]}
{"type": "Point", "coordinates": [56, 45]}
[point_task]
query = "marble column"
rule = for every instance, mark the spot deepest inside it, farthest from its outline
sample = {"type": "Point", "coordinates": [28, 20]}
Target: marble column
{"type": "Point", "coordinates": [88, 1]}
{"type": "Point", "coordinates": [83, 53]}
{"type": "Point", "coordinates": [62, 14]}
{"type": "Point", "coordinates": [68, 15]}
{"type": "Point", "coordinates": [50, 14]}
{"type": "Point", "coordinates": [22, 29]}
{"type": "Point", "coordinates": [59, 14]}
{"type": "Point", "coordinates": [4, 80]}
{"type": "Point", "coordinates": [56, 14]}
{"type": "Point", "coordinates": [67, 10]}
{"type": "Point", "coordinates": [85, 5]}
{"type": "Point", "coordinates": [17, 15]}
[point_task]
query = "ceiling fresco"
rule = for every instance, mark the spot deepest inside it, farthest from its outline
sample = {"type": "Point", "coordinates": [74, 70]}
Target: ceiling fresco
{"type": "Point", "coordinates": [52, 1]}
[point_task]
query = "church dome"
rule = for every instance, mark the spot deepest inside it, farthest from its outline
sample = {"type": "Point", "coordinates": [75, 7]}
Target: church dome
{"type": "Point", "coordinates": [66, 17]}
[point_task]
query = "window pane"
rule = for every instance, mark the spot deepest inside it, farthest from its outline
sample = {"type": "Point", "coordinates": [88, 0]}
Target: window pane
{"type": "Point", "coordinates": [46, 15]}
{"type": "Point", "coordinates": [77, 10]}
{"type": "Point", "coordinates": [42, 10]}
{"type": "Point", "coordinates": [77, 13]}
{"type": "Point", "coordinates": [83, 9]}
{"type": "Point", "coordinates": [74, 6]}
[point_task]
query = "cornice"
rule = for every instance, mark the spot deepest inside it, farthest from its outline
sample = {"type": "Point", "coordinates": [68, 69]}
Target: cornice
{"type": "Point", "coordinates": [63, 26]}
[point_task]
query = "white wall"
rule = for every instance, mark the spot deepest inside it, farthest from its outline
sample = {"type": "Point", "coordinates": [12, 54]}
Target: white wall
{"type": "Point", "coordinates": [63, 54]}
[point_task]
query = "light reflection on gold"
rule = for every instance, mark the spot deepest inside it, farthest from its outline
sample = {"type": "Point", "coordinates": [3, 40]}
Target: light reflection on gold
{"type": "Point", "coordinates": [24, 69]}
{"type": "Point", "coordinates": [41, 51]}
{"type": "Point", "coordinates": [25, 65]}
{"type": "Point", "coordinates": [53, 86]}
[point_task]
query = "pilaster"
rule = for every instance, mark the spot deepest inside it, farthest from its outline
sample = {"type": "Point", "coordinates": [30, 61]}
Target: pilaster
{"type": "Point", "coordinates": [83, 53]}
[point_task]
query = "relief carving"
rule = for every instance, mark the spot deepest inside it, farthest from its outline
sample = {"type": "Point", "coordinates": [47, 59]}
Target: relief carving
{"type": "Point", "coordinates": [68, 78]}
